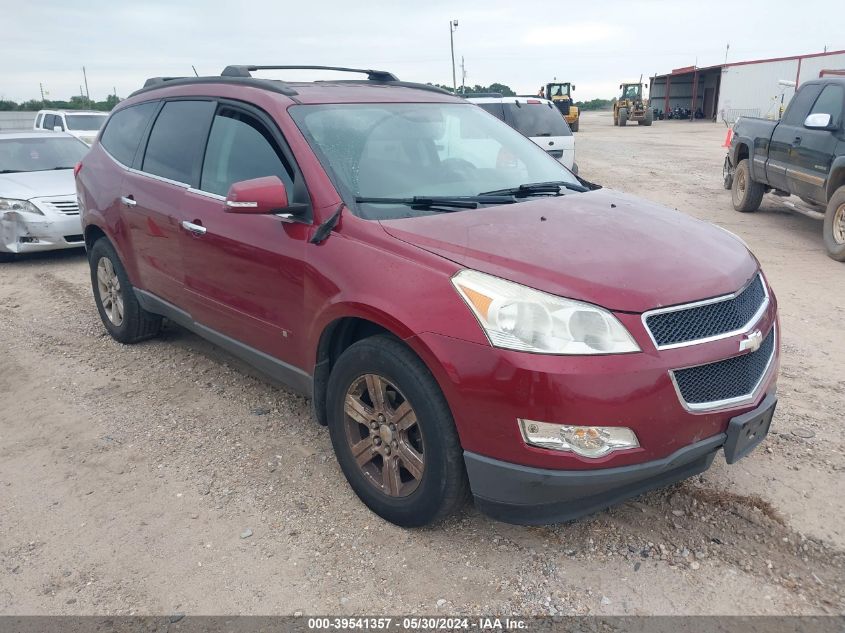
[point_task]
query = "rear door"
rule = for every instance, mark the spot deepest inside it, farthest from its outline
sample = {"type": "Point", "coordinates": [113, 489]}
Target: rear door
{"type": "Point", "coordinates": [813, 150]}
{"type": "Point", "coordinates": [544, 124]}
{"type": "Point", "coordinates": [786, 138]}
{"type": "Point", "coordinates": [244, 273]}
{"type": "Point", "coordinates": [154, 193]}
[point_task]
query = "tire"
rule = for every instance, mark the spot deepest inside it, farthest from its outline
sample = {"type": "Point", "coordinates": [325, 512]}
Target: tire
{"type": "Point", "coordinates": [649, 117]}
{"type": "Point", "coordinates": [623, 116]}
{"type": "Point", "coordinates": [7, 257]}
{"type": "Point", "coordinates": [574, 126]}
{"type": "Point", "coordinates": [439, 486]}
{"type": "Point", "coordinates": [746, 193]}
{"type": "Point", "coordinates": [727, 173]}
{"type": "Point", "coordinates": [133, 324]}
{"type": "Point", "coordinates": [834, 226]}
{"type": "Point", "coordinates": [615, 118]}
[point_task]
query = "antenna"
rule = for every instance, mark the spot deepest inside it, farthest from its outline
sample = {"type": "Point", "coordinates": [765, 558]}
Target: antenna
{"type": "Point", "coordinates": [196, 74]}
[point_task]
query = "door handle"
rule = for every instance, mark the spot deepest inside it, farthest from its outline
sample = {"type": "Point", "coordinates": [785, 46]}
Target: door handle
{"type": "Point", "coordinates": [796, 140]}
{"type": "Point", "coordinates": [196, 229]}
{"type": "Point", "coordinates": [129, 201]}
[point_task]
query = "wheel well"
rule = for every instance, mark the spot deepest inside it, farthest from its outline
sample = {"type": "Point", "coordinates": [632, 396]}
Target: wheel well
{"type": "Point", "coordinates": [335, 339]}
{"type": "Point", "coordinates": [741, 152]}
{"type": "Point", "coordinates": [836, 181]}
{"type": "Point", "coordinates": [92, 234]}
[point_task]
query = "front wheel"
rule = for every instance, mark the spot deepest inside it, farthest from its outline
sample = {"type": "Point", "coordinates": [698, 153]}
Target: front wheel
{"type": "Point", "coordinates": [746, 193]}
{"type": "Point", "coordinates": [623, 116]}
{"type": "Point", "coordinates": [727, 173]}
{"type": "Point", "coordinates": [393, 433]}
{"type": "Point", "coordinates": [574, 126]}
{"type": "Point", "coordinates": [834, 226]}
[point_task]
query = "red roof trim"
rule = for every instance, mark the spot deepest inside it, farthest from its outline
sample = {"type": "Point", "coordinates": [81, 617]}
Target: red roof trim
{"type": "Point", "coordinates": [785, 59]}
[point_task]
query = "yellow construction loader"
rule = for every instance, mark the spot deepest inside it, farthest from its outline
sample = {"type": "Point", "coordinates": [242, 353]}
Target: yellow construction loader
{"type": "Point", "coordinates": [561, 95]}
{"type": "Point", "coordinates": [631, 106]}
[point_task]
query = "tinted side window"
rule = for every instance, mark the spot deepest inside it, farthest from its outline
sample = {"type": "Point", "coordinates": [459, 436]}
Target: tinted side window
{"type": "Point", "coordinates": [536, 119]}
{"type": "Point", "coordinates": [799, 107]}
{"type": "Point", "coordinates": [240, 148]}
{"type": "Point", "coordinates": [49, 121]}
{"type": "Point", "coordinates": [124, 131]}
{"type": "Point", "coordinates": [39, 120]}
{"type": "Point", "coordinates": [830, 102]}
{"type": "Point", "coordinates": [177, 139]}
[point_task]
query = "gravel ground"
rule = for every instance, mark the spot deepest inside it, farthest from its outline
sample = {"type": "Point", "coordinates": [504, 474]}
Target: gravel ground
{"type": "Point", "coordinates": [168, 477]}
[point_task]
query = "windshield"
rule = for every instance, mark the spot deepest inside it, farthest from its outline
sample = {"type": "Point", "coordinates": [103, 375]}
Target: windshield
{"type": "Point", "coordinates": [631, 91]}
{"type": "Point", "coordinates": [402, 150]}
{"type": "Point", "coordinates": [40, 154]}
{"type": "Point", "coordinates": [78, 122]}
{"type": "Point", "coordinates": [560, 90]}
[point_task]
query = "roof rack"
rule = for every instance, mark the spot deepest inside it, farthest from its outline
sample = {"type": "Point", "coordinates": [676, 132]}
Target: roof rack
{"type": "Point", "coordinates": [481, 95]}
{"type": "Point", "coordinates": [156, 81]}
{"type": "Point", "coordinates": [245, 71]}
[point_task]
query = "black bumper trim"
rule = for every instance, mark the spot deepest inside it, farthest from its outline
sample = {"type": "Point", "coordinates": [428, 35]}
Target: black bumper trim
{"type": "Point", "coordinates": [533, 496]}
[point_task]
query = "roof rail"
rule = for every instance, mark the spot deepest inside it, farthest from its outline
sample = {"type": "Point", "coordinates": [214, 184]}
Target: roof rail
{"type": "Point", "coordinates": [156, 81]}
{"type": "Point", "coordinates": [481, 95]}
{"type": "Point", "coordinates": [245, 71]}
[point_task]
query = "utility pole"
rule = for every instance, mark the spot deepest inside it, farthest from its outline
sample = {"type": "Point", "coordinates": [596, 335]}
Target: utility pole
{"type": "Point", "coordinates": [41, 87]}
{"type": "Point", "coordinates": [463, 76]}
{"type": "Point", "coordinates": [453, 26]}
{"type": "Point", "coordinates": [87, 94]}
{"type": "Point", "coordinates": [727, 48]}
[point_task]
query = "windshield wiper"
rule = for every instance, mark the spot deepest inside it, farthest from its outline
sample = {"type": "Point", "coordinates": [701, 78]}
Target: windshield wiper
{"type": "Point", "coordinates": [535, 188]}
{"type": "Point", "coordinates": [427, 202]}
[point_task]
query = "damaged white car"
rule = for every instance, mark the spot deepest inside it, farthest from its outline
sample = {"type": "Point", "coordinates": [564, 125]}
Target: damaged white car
{"type": "Point", "coordinates": [38, 206]}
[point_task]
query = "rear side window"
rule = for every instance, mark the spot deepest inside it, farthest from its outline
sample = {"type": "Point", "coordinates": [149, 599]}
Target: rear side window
{"type": "Point", "coordinates": [830, 102]}
{"type": "Point", "coordinates": [240, 148]}
{"type": "Point", "coordinates": [536, 119]}
{"type": "Point", "coordinates": [39, 120]}
{"type": "Point", "coordinates": [174, 149]}
{"type": "Point", "coordinates": [799, 107]}
{"type": "Point", "coordinates": [49, 121]}
{"type": "Point", "coordinates": [124, 131]}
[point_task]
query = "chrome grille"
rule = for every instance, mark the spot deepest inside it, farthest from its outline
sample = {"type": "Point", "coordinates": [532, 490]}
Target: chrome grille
{"type": "Point", "coordinates": [705, 320]}
{"type": "Point", "coordinates": [67, 206]}
{"type": "Point", "coordinates": [726, 381]}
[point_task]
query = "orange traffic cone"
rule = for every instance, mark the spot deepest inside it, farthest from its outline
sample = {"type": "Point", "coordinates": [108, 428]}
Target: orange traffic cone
{"type": "Point", "coordinates": [728, 137]}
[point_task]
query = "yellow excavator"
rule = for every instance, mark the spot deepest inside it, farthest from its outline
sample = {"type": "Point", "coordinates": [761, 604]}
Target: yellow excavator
{"type": "Point", "coordinates": [631, 106]}
{"type": "Point", "coordinates": [561, 95]}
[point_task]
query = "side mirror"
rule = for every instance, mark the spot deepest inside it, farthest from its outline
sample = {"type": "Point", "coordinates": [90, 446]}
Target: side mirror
{"type": "Point", "coordinates": [573, 87]}
{"type": "Point", "coordinates": [818, 121]}
{"type": "Point", "coordinates": [58, 128]}
{"type": "Point", "coordinates": [262, 196]}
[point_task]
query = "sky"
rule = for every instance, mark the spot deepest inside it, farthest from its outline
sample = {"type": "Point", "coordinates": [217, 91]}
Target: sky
{"type": "Point", "coordinates": [596, 44]}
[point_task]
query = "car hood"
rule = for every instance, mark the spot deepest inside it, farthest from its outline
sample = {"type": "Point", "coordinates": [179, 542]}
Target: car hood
{"type": "Point", "coordinates": [37, 184]}
{"type": "Point", "coordinates": [603, 247]}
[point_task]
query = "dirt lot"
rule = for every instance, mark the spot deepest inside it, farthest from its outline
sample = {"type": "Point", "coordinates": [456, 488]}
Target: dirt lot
{"type": "Point", "coordinates": [130, 477]}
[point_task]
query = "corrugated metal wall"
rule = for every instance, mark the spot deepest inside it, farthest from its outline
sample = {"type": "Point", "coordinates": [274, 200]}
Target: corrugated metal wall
{"type": "Point", "coordinates": [14, 120]}
{"type": "Point", "coordinates": [811, 66]}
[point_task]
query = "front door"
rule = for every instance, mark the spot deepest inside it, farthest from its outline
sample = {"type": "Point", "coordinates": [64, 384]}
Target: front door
{"type": "Point", "coordinates": [814, 149]}
{"type": "Point", "coordinates": [781, 150]}
{"type": "Point", "coordinates": [243, 272]}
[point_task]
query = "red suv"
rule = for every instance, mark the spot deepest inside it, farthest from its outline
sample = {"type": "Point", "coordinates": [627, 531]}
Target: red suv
{"type": "Point", "coordinates": [465, 313]}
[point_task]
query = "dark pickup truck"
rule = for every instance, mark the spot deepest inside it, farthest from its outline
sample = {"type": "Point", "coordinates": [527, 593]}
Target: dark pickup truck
{"type": "Point", "coordinates": [803, 155]}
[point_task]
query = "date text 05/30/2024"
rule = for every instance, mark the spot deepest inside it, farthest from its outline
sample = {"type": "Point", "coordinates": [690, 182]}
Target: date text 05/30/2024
{"type": "Point", "coordinates": [417, 623]}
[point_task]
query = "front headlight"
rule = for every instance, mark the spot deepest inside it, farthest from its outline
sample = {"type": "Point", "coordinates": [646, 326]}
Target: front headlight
{"type": "Point", "coordinates": [521, 318]}
{"type": "Point", "coordinates": [22, 206]}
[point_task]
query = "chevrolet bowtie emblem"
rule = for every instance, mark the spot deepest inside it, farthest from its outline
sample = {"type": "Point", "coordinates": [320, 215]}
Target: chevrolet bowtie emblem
{"type": "Point", "coordinates": [751, 342]}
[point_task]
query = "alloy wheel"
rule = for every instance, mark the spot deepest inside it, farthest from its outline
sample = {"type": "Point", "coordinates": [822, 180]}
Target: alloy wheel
{"type": "Point", "coordinates": [384, 435]}
{"type": "Point", "coordinates": [108, 286]}
{"type": "Point", "coordinates": [839, 225]}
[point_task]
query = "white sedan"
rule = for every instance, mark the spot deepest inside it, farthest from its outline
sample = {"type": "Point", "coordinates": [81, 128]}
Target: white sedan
{"type": "Point", "coordinates": [38, 206]}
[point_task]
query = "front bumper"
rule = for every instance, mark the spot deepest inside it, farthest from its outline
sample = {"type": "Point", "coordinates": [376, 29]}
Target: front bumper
{"type": "Point", "coordinates": [530, 496]}
{"type": "Point", "coordinates": [29, 233]}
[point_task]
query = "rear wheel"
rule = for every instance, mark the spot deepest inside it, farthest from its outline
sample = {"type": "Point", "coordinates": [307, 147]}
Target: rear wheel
{"type": "Point", "coordinates": [623, 116]}
{"type": "Point", "coordinates": [746, 193]}
{"type": "Point", "coordinates": [393, 433]}
{"type": "Point", "coordinates": [574, 126]}
{"type": "Point", "coordinates": [727, 173]}
{"type": "Point", "coordinates": [649, 117]}
{"type": "Point", "coordinates": [834, 226]}
{"type": "Point", "coordinates": [114, 295]}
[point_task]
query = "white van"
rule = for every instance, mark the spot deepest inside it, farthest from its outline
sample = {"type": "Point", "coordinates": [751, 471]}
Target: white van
{"type": "Point", "coordinates": [83, 124]}
{"type": "Point", "coordinates": [536, 118]}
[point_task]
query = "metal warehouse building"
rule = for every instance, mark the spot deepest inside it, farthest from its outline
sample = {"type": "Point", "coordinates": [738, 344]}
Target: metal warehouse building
{"type": "Point", "coordinates": [751, 88]}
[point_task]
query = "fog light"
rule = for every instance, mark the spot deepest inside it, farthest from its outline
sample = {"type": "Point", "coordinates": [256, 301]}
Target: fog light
{"type": "Point", "coordinates": [587, 441]}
